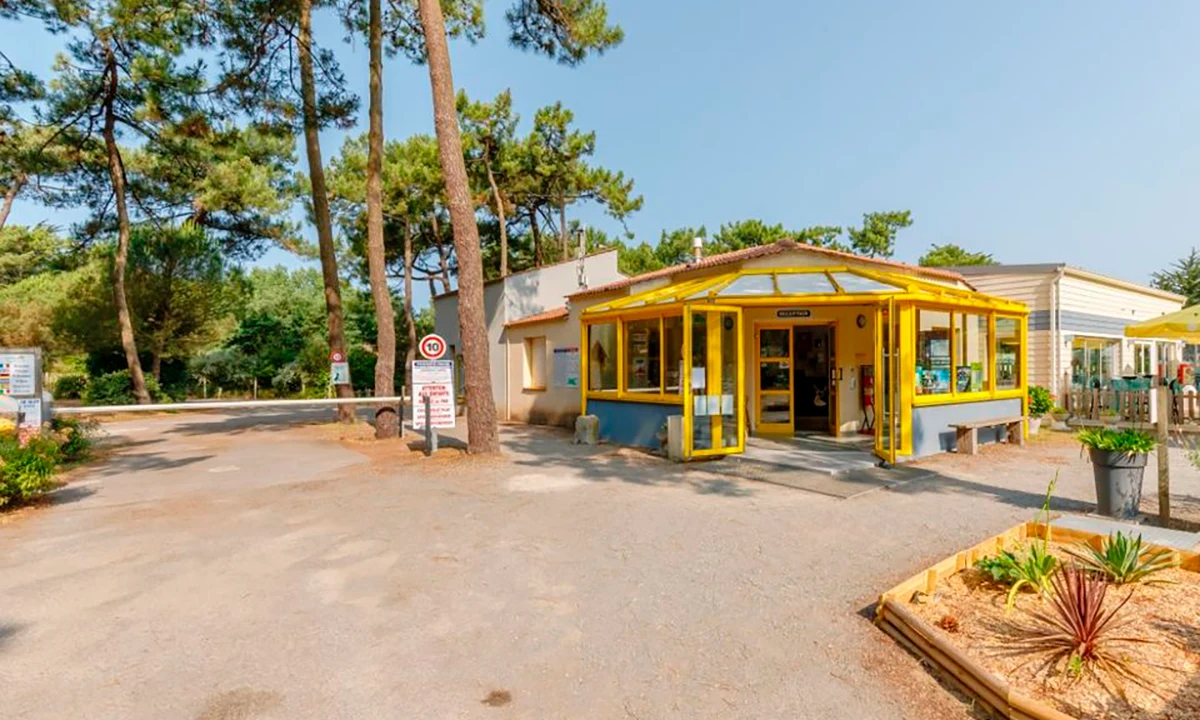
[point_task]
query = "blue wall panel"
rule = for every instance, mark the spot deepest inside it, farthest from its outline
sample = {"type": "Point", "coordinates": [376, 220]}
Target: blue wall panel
{"type": "Point", "coordinates": [631, 423]}
{"type": "Point", "coordinates": [931, 429]}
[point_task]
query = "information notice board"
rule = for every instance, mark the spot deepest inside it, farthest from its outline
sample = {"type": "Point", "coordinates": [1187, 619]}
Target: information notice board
{"type": "Point", "coordinates": [433, 379]}
{"type": "Point", "coordinates": [18, 374]}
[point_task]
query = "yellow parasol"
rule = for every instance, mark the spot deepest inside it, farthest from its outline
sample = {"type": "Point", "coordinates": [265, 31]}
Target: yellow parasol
{"type": "Point", "coordinates": [1180, 325]}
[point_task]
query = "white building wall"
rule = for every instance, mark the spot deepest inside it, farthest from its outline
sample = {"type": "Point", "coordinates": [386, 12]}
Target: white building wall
{"type": "Point", "coordinates": [1085, 305]}
{"type": "Point", "coordinates": [520, 295]}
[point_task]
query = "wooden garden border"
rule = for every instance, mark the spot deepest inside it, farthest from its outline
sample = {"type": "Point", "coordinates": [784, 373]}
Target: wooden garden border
{"type": "Point", "coordinates": [894, 617]}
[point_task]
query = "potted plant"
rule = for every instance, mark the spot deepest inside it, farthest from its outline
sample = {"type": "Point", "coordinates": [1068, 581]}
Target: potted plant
{"type": "Point", "coordinates": [1118, 466]}
{"type": "Point", "coordinates": [1040, 402]}
{"type": "Point", "coordinates": [1110, 418]}
{"type": "Point", "coordinates": [1060, 416]}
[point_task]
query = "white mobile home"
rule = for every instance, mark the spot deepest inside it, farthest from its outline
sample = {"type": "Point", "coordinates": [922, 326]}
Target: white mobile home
{"type": "Point", "coordinates": [1077, 323]}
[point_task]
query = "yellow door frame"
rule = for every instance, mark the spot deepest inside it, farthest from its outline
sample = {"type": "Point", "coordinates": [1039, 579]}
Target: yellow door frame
{"type": "Point", "coordinates": [760, 427]}
{"type": "Point", "coordinates": [713, 371]}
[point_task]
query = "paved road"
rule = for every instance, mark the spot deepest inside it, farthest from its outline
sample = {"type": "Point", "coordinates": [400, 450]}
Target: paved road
{"type": "Point", "coordinates": [233, 567]}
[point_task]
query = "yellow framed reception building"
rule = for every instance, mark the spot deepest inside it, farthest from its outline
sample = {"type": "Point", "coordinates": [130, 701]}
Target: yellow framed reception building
{"type": "Point", "coordinates": [788, 338]}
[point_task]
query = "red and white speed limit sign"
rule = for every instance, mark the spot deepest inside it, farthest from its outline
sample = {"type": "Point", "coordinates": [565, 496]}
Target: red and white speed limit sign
{"type": "Point", "coordinates": [432, 347]}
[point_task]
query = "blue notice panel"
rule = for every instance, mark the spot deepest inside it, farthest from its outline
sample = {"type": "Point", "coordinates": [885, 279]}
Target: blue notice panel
{"type": "Point", "coordinates": [931, 431]}
{"type": "Point", "coordinates": [631, 423]}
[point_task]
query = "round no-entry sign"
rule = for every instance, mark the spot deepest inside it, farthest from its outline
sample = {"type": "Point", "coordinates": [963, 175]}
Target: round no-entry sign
{"type": "Point", "coordinates": [432, 347]}
{"type": "Point", "coordinates": [336, 356]}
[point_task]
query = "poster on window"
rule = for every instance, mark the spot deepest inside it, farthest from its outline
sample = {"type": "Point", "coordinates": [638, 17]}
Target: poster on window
{"type": "Point", "coordinates": [963, 378]}
{"type": "Point", "coordinates": [566, 367]}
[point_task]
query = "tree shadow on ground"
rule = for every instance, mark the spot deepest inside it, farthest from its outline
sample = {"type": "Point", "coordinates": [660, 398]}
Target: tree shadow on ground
{"type": "Point", "coordinates": [237, 422]}
{"type": "Point", "coordinates": [936, 482]}
{"type": "Point", "coordinates": [71, 494]}
{"type": "Point", "coordinates": [125, 463]}
{"type": "Point", "coordinates": [549, 448]}
{"type": "Point", "coordinates": [7, 632]}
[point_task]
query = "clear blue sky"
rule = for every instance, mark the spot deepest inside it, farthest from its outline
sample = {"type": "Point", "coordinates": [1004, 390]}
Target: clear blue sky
{"type": "Point", "coordinates": [1038, 132]}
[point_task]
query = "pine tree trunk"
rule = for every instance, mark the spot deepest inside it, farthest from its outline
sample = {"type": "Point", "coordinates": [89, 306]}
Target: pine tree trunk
{"type": "Point", "coordinates": [564, 238]}
{"type": "Point", "coordinates": [537, 237]}
{"type": "Point", "coordinates": [320, 202]}
{"type": "Point", "coordinates": [482, 436]}
{"type": "Point", "coordinates": [499, 199]}
{"type": "Point", "coordinates": [10, 197]}
{"type": "Point", "coordinates": [116, 173]}
{"type": "Point", "coordinates": [410, 320]}
{"type": "Point", "coordinates": [387, 421]}
{"type": "Point", "coordinates": [443, 254]}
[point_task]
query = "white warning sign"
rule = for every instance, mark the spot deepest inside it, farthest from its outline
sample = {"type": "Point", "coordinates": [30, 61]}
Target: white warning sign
{"type": "Point", "coordinates": [433, 379]}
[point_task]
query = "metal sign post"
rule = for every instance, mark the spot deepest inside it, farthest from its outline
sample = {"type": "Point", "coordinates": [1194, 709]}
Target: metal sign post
{"type": "Point", "coordinates": [431, 436]}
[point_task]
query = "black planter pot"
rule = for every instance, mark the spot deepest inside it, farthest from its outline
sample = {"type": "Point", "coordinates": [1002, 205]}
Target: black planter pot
{"type": "Point", "coordinates": [1118, 478]}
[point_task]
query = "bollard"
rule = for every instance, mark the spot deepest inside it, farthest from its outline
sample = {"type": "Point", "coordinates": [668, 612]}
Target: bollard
{"type": "Point", "coordinates": [431, 438]}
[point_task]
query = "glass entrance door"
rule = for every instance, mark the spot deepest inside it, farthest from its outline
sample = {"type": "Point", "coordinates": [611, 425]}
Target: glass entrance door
{"type": "Point", "coordinates": [714, 385]}
{"type": "Point", "coordinates": [774, 375]}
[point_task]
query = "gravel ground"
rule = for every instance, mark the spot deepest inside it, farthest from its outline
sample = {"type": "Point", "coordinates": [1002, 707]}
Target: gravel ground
{"type": "Point", "coordinates": [226, 567]}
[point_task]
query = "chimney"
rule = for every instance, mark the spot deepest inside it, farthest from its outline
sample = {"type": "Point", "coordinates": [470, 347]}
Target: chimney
{"type": "Point", "coordinates": [697, 249]}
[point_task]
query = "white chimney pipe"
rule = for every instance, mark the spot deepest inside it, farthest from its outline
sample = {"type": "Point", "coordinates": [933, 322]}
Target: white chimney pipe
{"type": "Point", "coordinates": [697, 248]}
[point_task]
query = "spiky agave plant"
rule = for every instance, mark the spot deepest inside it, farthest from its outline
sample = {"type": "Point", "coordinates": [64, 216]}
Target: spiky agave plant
{"type": "Point", "coordinates": [1123, 559]}
{"type": "Point", "coordinates": [1078, 635]}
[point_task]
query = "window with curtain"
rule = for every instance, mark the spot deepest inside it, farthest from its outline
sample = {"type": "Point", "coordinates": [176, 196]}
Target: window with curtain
{"type": "Point", "coordinates": [643, 363]}
{"type": "Point", "coordinates": [1008, 353]}
{"type": "Point", "coordinates": [971, 353]}
{"type": "Point", "coordinates": [933, 352]}
{"type": "Point", "coordinates": [602, 356]}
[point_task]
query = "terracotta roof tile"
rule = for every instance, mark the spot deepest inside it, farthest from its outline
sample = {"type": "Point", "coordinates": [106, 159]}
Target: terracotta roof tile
{"type": "Point", "coordinates": [758, 251]}
{"type": "Point", "coordinates": [558, 313]}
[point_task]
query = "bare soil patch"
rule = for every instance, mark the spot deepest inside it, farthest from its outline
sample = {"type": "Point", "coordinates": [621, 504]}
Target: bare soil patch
{"type": "Point", "coordinates": [968, 610]}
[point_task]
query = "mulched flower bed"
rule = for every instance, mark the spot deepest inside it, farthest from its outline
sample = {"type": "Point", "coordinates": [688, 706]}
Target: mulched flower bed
{"type": "Point", "coordinates": [968, 610]}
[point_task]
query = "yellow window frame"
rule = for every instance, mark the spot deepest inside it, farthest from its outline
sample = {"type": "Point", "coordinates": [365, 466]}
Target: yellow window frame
{"type": "Point", "coordinates": [713, 361]}
{"type": "Point", "coordinates": [954, 397]}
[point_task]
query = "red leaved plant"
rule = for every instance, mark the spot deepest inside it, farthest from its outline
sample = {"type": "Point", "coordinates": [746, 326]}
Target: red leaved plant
{"type": "Point", "coordinates": [1078, 634]}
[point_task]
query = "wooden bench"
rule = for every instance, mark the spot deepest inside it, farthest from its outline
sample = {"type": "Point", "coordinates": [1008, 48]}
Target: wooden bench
{"type": "Point", "coordinates": [967, 434]}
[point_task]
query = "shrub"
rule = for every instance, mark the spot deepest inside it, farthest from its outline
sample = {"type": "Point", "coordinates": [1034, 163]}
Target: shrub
{"type": "Point", "coordinates": [1133, 442]}
{"type": "Point", "coordinates": [70, 387]}
{"type": "Point", "coordinates": [116, 388]}
{"type": "Point", "coordinates": [1122, 559]}
{"type": "Point", "coordinates": [1077, 634]}
{"type": "Point", "coordinates": [26, 472]}
{"type": "Point", "coordinates": [73, 437]}
{"type": "Point", "coordinates": [1040, 401]}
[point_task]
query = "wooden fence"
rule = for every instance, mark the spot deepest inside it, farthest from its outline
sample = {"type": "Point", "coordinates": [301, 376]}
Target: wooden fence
{"type": "Point", "coordinates": [1127, 406]}
{"type": "Point", "coordinates": [1131, 406]}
